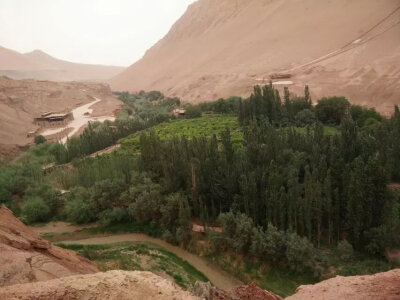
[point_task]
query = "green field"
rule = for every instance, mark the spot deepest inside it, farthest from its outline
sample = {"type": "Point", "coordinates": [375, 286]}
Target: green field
{"type": "Point", "coordinates": [205, 126]}
{"type": "Point", "coordinates": [142, 257]}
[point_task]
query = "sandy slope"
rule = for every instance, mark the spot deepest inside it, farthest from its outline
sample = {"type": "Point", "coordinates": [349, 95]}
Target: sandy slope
{"type": "Point", "coordinates": [219, 48]}
{"type": "Point", "coordinates": [39, 65]}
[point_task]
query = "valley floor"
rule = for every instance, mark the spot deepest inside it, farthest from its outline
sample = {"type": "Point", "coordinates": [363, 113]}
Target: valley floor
{"type": "Point", "coordinates": [217, 276]}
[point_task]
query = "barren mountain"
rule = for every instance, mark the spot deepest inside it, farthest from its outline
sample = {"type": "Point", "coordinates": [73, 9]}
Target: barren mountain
{"type": "Point", "coordinates": [220, 48]}
{"type": "Point", "coordinates": [22, 100]}
{"type": "Point", "coordinates": [39, 65]}
{"type": "Point", "coordinates": [13, 60]}
{"type": "Point", "coordinates": [25, 257]}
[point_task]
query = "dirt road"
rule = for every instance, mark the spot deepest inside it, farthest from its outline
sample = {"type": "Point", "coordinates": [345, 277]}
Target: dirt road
{"type": "Point", "coordinates": [81, 118]}
{"type": "Point", "coordinates": [218, 277]}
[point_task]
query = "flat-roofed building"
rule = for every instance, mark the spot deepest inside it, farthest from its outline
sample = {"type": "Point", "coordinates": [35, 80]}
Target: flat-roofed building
{"type": "Point", "coordinates": [52, 119]}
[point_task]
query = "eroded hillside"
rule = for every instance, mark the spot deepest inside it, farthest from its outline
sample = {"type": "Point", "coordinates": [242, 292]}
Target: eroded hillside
{"type": "Point", "coordinates": [221, 48]}
{"type": "Point", "coordinates": [22, 100]}
{"type": "Point", "coordinates": [25, 257]}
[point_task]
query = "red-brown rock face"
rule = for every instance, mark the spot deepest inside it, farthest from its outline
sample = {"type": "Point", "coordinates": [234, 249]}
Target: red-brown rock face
{"type": "Point", "coordinates": [25, 257]}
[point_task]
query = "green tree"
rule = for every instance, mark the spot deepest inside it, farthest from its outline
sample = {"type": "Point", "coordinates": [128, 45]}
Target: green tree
{"type": "Point", "coordinates": [78, 207]}
{"type": "Point", "coordinates": [300, 253]}
{"type": "Point", "coordinates": [305, 117]}
{"type": "Point", "coordinates": [331, 110]}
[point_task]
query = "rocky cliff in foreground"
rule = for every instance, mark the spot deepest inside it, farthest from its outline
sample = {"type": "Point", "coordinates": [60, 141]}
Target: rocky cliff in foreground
{"type": "Point", "coordinates": [112, 285]}
{"type": "Point", "coordinates": [32, 268]}
{"type": "Point", "coordinates": [25, 257]}
{"type": "Point", "coordinates": [380, 286]}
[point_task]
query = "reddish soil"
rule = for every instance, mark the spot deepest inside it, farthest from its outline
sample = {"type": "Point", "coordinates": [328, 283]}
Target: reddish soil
{"type": "Point", "coordinates": [25, 257]}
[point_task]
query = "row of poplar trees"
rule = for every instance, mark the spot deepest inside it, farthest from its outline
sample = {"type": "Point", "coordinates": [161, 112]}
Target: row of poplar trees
{"type": "Point", "coordinates": [324, 187]}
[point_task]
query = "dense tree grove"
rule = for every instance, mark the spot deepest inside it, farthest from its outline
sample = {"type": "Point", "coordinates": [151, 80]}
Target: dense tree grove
{"type": "Point", "coordinates": [266, 104]}
{"type": "Point", "coordinates": [323, 187]}
{"type": "Point", "coordinates": [278, 194]}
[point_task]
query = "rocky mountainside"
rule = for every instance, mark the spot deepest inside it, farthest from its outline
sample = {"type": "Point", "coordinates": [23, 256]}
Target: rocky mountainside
{"type": "Point", "coordinates": [219, 48]}
{"type": "Point", "coordinates": [41, 66]}
{"type": "Point", "coordinates": [22, 100]}
{"type": "Point", "coordinates": [25, 257]}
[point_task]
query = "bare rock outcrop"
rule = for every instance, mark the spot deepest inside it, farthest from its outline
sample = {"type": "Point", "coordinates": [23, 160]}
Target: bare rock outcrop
{"type": "Point", "coordinates": [118, 285]}
{"type": "Point", "coordinates": [25, 257]}
{"type": "Point", "coordinates": [205, 290]}
{"type": "Point", "coordinates": [380, 286]}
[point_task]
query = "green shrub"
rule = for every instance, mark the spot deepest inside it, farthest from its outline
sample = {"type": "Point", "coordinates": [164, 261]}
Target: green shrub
{"type": "Point", "coordinates": [5, 197]}
{"type": "Point", "coordinates": [345, 250]}
{"type": "Point", "coordinates": [365, 116]}
{"type": "Point", "coordinates": [49, 195]}
{"type": "Point", "coordinates": [40, 139]}
{"type": "Point", "coordinates": [300, 253]}
{"type": "Point", "coordinates": [192, 112]}
{"type": "Point", "coordinates": [36, 210]}
{"type": "Point", "coordinates": [78, 207]}
{"type": "Point", "coordinates": [79, 212]}
{"type": "Point", "coordinates": [113, 216]}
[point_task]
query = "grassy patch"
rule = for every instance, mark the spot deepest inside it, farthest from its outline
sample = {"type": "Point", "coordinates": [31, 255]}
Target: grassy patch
{"type": "Point", "coordinates": [205, 126]}
{"type": "Point", "coordinates": [358, 264]}
{"type": "Point", "coordinates": [123, 228]}
{"type": "Point", "coordinates": [102, 230]}
{"type": "Point", "coordinates": [140, 256]}
{"type": "Point", "coordinates": [278, 279]}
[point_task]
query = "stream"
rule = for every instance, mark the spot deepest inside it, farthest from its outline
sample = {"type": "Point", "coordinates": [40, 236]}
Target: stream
{"type": "Point", "coordinates": [217, 276]}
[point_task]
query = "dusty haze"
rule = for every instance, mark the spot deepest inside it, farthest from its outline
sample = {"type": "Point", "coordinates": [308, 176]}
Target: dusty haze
{"type": "Point", "coordinates": [40, 65]}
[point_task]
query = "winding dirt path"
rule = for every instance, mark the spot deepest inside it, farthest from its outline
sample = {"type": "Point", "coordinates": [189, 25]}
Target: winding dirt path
{"type": "Point", "coordinates": [82, 115]}
{"type": "Point", "coordinates": [218, 277]}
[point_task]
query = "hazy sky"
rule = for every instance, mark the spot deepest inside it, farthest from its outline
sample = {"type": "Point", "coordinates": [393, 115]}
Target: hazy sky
{"type": "Point", "coordinates": [114, 32]}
